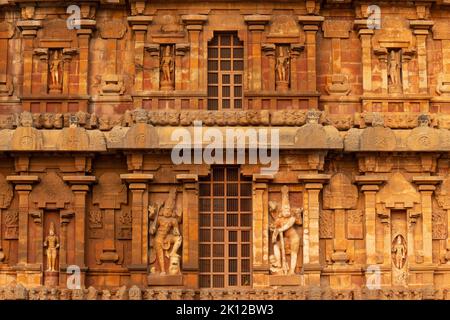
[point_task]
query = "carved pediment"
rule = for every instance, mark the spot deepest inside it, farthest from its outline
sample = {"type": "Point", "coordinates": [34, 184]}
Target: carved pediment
{"type": "Point", "coordinates": [112, 29]}
{"type": "Point", "coordinates": [73, 139]}
{"type": "Point", "coordinates": [394, 33]}
{"type": "Point", "coordinates": [284, 25]}
{"type": "Point", "coordinates": [316, 136]}
{"type": "Point", "coordinates": [26, 139]}
{"type": "Point", "coordinates": [141, 135]}
{"type": "Point", "coordinates": [340, 193]}
{"type": "Point", "coordinates": [110, 192]}
{"type": "Point", "coordinates": [51, 192]}
{"type": "Point", "coordinates": [377, 138]}
{"type": "Point", "coordinates": [398, 193]}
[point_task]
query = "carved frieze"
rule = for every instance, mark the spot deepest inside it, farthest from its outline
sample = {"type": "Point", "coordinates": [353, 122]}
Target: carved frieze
{"type": "Point", "coordinates": [326, 224]}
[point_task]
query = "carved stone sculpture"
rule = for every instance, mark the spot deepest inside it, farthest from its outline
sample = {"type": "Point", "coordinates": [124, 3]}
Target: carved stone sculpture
{"type": "Point", "coordinates": [394, 71]}
{"type": "Point", "coordinates": [285, 238]}
{"type": "Point", "coordinates": [165, 229]}
{"type": "Point", "coordinates": [399, 252]}
{"type": "Point", "coordinates": [167, 68]}
{"type": "Point", "coordinates": [282, 68]}
{"type": "Point", "coordinates": [55, 71]}
{"type": "Point", "coordinates": [52, 244]}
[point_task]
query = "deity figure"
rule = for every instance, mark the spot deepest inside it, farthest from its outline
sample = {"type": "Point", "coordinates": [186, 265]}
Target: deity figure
{"type": "Point", "coordinates": [165, 229]}
{"type": "Point", "coordinates": [52, 244]}
{"type": "Point", "coordinates": [399, 252]}
{"type": "Point", "coordinates": [282, 67]}
{"type": "Point", "coordinates": [167, 67]}
{"type": "Point", "coordinates": [394, 68]}
{"type": "Point", "coordinates": [26, 119]}
{"type": "Point", "coordinates": [55, 66]}
{"type": "Point", "coordinates": [285, 238]}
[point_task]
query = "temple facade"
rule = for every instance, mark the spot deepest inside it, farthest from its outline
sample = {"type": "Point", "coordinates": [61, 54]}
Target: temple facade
{"type": "Point", "coordinates": [97, 202]}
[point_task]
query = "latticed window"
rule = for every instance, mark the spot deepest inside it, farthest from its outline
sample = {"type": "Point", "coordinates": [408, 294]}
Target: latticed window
{"type": "Point", "coordinates": [225, 229]}
{"type": "Point", "coordinates": [225, 72]}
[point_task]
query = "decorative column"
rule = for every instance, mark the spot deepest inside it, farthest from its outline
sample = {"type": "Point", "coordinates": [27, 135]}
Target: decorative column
{"type": "Point", "coordinates": [80, 188]}
{"type": "Point", "coordinates": [23, 186]}
{"type": "Point", "coordinates": [29, 31]}
{"type": "Point", "coordinates": [190, 229]}
{"type": "Point", "coordinates": [84, 35]}
{"type": "Point", "coordinates": [370, 185]}
{"type": "Point", "coordinates": [420, 30]}
{"type": "Point", "coordinates": [6, 33]}
{"type": "Point", "coordinates": [310, 27]}
{"type": "Point", "coordinates": [261, 230]}
{"type": "Point", "coordinates": [313, 183]}
{"type": "Point", "coordinates": [365, 34]}
{"type": "Point", "coordinates": [194, 25]}
{"type": "Point", "coordinates": [256, 24]}
{"type": "Point", "coordinates": [426, 186]}
{"type": "Point", "coordinates": [139, 25]}
{"type": "Point", "coordinates": [138, 185]}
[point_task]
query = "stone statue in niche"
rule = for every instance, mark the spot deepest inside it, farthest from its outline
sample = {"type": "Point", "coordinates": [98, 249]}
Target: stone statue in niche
{"type": "Point", "coordinates": [52, 244]}
{"type": "Point", "coordinates": [165, 230]}
{"type": "Point", "coordinates": [55, 70]}
{"type": "Point", "coordinates": [282, 68]}
{"type": "Point", "coordinates": [399, 252]}
{"type": "Point", "coordinates": [167, 68]}
{"type": "Point", "coordinates": [285, 238]}
{"type": "Point", "coordinates": [394, 71]}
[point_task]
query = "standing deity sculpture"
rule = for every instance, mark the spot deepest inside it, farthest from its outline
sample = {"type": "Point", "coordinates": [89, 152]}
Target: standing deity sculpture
{"type": "Point", "coordinates": [55, 70]}
{"type": "Point", "coordinates": [399, 252]}
{"type": "Point", "coordinates": [285, 237]}
{"type": "Point", "coordinates": [167, 68]}
{"type": "Point", "coordinates": [52, 244]}
{"type": "Point", "coordinates": [282, 68]}
{"type": "Point", "coordinates": [166, 233]}
{"type": "Point", "coordinates": [394, 71]}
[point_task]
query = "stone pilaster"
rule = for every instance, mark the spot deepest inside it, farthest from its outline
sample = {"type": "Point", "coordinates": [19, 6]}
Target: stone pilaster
{"type": "Point", "coordinates": [421, 30]}
{"type": "Point", "coordinates": [80, 188]}
{"type": "Point", "coordinates": [313, 184]}
{"type": "Point", "coordinates": [23, 186]}
{"type": "Point", "coordinates": [190, 228]}
{"type": "Point", "coordinates": [261, 229]}
{"type": "Point", "coordinates": [139, 25]}
{"type": "Point", "coordinates": [370, 185]}
{"type": "Point", "coordinates": [194, 25]}
{"type": "Point", "coordinates": [29, 30]}
{"type": "Point", "coordinates": [310, 27]}
{"type": "Point", "coordinates": [365, 35]}
{"type": "Point", "coordinates": [256, 25]}
{"type": "Point", "coordinates": [138, 185]}
{"type": "Point", "coordinates": [84, 35]}
{"type": "Point", "coordinates": [426, 186]}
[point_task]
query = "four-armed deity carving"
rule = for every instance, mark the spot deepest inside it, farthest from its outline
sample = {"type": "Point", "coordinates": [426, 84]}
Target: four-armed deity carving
{"type": "Point", "coordinates": [164, 228]}
{"type": "Point", "coordinates": [285, 237]}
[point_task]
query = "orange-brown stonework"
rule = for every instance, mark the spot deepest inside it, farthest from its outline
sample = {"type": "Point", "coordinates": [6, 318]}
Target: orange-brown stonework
{"type": "Point", "coordinates": [93, 207]}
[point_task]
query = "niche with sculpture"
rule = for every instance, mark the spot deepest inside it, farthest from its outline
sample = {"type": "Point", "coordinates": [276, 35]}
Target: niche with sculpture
{"type": "Point", "coordinates": [167, 67]}
{"type": "Point", "coordinates": [282, 67]}
{"type": "Point", "coordinates": [165, 236]}
{"type": "Point", "coordinates": [285, 239]}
